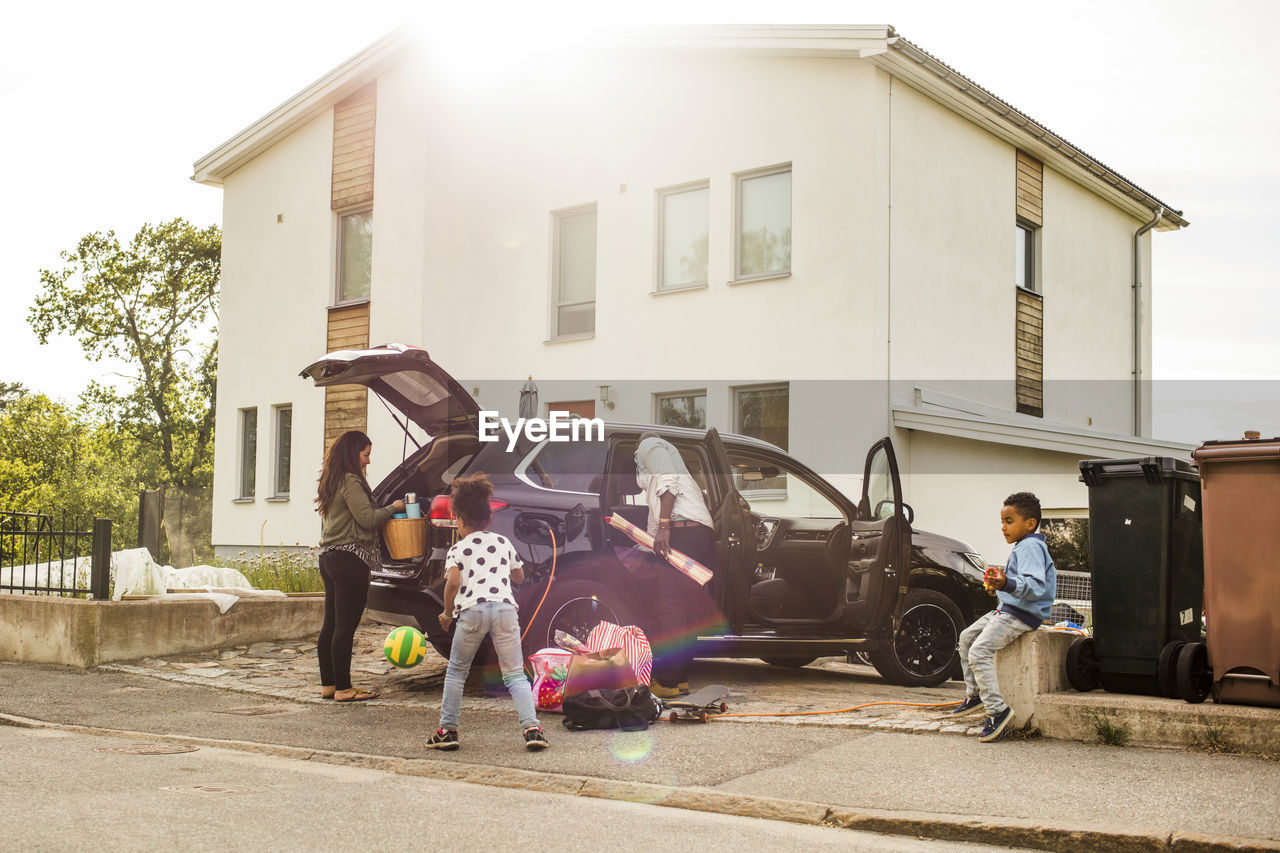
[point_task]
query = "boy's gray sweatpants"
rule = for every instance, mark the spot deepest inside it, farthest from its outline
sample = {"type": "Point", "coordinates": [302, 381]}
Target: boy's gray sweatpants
{"type": "Point", "coordinates": [978, 646]}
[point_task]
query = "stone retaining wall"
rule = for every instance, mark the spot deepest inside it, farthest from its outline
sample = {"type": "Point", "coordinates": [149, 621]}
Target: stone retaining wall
{"type": "Point", "coordinates": [82, 633]}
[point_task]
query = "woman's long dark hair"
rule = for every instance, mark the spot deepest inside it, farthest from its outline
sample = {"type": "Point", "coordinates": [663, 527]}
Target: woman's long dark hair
{"type": "Point", "coordinates": [342, 458]}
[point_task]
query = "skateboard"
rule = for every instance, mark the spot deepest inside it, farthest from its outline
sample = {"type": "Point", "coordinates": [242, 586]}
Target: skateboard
{"type": "Point", "coordinates": [699, 704]}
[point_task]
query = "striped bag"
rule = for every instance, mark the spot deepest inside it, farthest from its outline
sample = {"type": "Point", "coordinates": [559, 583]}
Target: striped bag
{"type": "Point", "coordinates": [630, 639]}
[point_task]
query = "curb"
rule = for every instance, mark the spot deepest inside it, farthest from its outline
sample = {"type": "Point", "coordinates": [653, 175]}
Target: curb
{"type": "Point", "coordinates": [1008, 832]}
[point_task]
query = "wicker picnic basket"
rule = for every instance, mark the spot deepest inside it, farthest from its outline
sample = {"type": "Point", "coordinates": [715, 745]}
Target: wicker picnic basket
{"type": "Point", "coordinates": [406, 538]}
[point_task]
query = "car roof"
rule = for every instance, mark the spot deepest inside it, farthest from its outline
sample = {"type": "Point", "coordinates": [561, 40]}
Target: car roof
{"type": "Point", "coordinates": [688, 434]}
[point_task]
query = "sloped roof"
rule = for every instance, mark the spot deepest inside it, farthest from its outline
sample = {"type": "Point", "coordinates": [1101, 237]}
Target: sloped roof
{"type": "Point", "coordinates": [879, 44]}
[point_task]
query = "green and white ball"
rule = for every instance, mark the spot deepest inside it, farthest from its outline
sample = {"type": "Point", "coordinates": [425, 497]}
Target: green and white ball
{"type": "Point", "coordinates": [405, 647]}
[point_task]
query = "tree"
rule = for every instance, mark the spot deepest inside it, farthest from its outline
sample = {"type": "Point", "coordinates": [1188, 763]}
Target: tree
{"type": "Point", "coordinates": [149, 305]}
{"type": "Point", "coordinates": [9, 392]}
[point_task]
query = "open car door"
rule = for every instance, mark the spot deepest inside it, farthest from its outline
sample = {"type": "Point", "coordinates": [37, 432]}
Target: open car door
{"type": "Point", "coordinates": [735, 537]}
{"type": "Point", "coordinates": [880, 547]}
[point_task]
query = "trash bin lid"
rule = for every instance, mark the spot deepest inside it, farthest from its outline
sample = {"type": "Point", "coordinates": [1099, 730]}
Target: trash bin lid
{"type": "Point", "coordinates": [1155, 469]}
{"type": "Point", "coordinates": [1239, 450]}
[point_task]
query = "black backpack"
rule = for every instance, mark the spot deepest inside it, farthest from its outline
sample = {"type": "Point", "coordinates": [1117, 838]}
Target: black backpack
{"type": "Point", "coordinates": [628, 708]}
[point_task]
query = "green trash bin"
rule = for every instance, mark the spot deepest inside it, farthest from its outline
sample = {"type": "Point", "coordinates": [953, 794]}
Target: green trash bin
{"type": "Point", "coordinates": [1147, 559]}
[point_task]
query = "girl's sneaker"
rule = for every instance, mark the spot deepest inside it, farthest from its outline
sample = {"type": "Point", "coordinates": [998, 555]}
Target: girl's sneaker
{"type": "Point", "coordinates": [534, 739]}
{"type": "Point", "coordinates": [443, 739]}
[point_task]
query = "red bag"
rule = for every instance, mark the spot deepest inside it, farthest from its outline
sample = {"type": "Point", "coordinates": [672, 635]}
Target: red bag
{"type": "Point", "coordinates": [550, 670]}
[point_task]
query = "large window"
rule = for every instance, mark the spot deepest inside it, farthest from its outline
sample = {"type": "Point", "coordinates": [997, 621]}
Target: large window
{"type": "Point", "coordinates": [574, 272]}
{"type": "Point", "coordinates": [683, 217]}
{"type": "Point", "coordinates": [763, 223]}
{"type": "Point", "coordinates": [248, 453]}
{"type": "Point", "coordinates": [283, 449]}
{"type": "Point", "coordinates": [684, 409]}
{"type": "Point", "coordinates": [1025, 257]}
{"type": "Point", "coordinates": [762, 412]}
{"type": "Point", "coordinates": [355, 256]}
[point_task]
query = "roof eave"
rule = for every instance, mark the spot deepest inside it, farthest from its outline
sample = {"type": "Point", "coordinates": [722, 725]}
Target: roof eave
{"type": "Point", "coordinates": [924, 72]}
{"type": "Point", "coordinates": [314, 100]}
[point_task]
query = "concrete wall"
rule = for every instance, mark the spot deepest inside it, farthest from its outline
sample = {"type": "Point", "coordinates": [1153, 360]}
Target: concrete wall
{"type": "Point", "coordinates": [76, 632]}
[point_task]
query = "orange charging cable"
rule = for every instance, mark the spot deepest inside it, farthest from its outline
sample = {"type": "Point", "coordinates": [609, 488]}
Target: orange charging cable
{"type": "Point", "coordinates": [551, 578]}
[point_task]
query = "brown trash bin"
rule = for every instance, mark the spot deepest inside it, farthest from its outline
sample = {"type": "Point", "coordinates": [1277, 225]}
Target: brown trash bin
{"type": "Point", "coordinates": [1240, 490]}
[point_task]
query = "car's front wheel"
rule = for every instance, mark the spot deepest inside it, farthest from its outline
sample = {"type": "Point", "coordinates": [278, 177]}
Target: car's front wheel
{"type": "Point", "coordinates": [923, 654]}
{"type": "Point", "coordinates": [575, 606]}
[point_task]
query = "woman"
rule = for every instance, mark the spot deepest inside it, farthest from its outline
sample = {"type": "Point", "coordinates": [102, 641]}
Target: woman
{"type": "Point", "coordinates": [348, 550]}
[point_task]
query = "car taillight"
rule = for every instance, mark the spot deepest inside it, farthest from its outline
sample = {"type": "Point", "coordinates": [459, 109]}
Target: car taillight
{"type": "Point", "coordinates": [441, 512]}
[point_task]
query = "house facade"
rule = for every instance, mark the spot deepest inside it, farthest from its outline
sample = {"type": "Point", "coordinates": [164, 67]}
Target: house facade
{"type": "Point", "coordinates": [819, 236]}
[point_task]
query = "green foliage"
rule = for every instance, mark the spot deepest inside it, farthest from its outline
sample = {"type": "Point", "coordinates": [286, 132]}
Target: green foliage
{"type": "Point", "coordinates": [764, 251]}
{"type": "Point", "coordinates": [1068, 541]}
{"type": "Point", "coordinates": [9, 392]}
{"type": "Point", "coordinates": [53, 458]}
{"type": "Point", "coordinates": [1109, 733]}
{"type": "Point", "coordinates": [287, 571]}
{"type": "Point", "coordinates": [150, 305]}
{"type": "Point", "coordinates": [1213, 741]}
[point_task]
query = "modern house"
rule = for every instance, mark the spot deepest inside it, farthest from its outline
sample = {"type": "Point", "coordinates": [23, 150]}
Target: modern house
{"type": "Point", "coordinates": [816, 235]}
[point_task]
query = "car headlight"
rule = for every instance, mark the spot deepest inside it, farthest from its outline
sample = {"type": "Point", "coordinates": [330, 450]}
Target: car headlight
{"type": "Point", "coordinates": [976, 561]}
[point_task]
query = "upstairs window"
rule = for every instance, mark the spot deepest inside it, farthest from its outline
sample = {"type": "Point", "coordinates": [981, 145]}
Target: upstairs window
{"type": "Point", "coordinates": [355, 256]}
{"type": "Point", "coordinates": [1025, 258]}
{"type": "Point", "coordinates": [574, 272]}
{"type": "Point", "coordinates": [763, 232]}
{"type": "Point", "coordinates": [683, 226]}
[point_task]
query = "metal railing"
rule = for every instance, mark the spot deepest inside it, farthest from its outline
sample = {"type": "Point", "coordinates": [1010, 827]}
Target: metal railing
{"type": "Point", "coordinates": [39, 557]}
{"type": "Point", "coordinates": [1075, 598]}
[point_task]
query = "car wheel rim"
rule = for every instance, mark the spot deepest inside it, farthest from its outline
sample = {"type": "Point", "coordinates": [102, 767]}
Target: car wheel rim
{"type": "Point", "coordinates": [578, 616]}
{"type": "Point", "coordinates": [926, 641]}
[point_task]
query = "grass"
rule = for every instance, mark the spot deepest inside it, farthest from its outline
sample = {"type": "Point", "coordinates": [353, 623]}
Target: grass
{"type": "Point", "coordinates": [1213, 741]}
{"type": "Point", "coordinates": [287, 571]}
{"type": "Point", "coordinates": [1109, 733]}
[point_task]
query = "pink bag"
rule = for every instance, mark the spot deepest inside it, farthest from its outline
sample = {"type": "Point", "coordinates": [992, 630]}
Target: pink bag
{"type": "Point", "coordinates": [550, 669]}
{"type": "Point", "coordinates": [630, 639]}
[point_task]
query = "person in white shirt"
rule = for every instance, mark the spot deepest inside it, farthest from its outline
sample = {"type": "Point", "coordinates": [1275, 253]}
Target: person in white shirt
{"type": "Point", "coordinates": [679, 520]}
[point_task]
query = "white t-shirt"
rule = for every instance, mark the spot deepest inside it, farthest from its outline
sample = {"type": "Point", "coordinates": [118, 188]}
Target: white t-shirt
{"type": "Point", "coordinates": [484, 562]}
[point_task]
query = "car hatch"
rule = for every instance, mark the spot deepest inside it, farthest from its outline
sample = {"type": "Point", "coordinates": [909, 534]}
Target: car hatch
{"type": "Point", "coordinates": [406, 378]}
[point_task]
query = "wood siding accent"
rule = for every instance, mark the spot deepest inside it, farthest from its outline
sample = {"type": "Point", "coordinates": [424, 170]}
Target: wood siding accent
{"type": "Point", "coordinates": [354, 124]}
{"type": "Point", "coordinates": [1029, 354]}
{"type": "Point", "coordinates": [346, 406]}
{"type": "Point", "coordinates": [1030, 189]}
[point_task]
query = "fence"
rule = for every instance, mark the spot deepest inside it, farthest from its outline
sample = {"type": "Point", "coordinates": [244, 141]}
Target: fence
{"type": "Point", "coordinates": [40, 558]}
{"type": "Point", "coordinates": [1075, 598]}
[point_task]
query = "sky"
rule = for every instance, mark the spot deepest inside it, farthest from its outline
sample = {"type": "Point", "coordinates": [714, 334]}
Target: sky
{"type": "Point", "coordinates": [110, 104]}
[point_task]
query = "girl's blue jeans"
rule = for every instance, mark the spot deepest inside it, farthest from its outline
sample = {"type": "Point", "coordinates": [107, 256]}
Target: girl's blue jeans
{"type": "Point", "coordinates": [497, 619]}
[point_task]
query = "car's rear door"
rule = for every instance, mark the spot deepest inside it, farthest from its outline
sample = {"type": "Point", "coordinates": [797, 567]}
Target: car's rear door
{"type": "Point", "coordinates": [880, 546]}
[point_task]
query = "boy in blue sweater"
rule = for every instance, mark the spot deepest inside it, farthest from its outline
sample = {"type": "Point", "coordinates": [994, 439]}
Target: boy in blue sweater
{"type": "Point", "coordinates": [1025, 590]}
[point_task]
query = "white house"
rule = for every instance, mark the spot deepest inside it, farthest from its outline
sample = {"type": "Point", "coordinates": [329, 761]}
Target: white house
{"type": "Point", "coordinates": [818, 235]}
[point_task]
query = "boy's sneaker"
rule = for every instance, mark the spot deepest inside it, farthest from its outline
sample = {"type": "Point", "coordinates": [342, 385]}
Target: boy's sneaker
{"type": "Point", "coordinates": [967, 707]}
{"type": "Point", "coordinates": [994, 728]}
{"type": "Point", "coordinates": [534, 739]}
{"type": "Point", "coordinates": [443, 739]}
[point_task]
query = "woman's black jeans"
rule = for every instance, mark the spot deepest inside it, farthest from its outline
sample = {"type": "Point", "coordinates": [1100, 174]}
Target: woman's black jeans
{"type": "Point", "coordinates": [346, 590]}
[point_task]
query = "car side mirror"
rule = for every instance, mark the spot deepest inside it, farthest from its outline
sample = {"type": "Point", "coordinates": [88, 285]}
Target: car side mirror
{"type": "Point", "coordinates": [884, 509]}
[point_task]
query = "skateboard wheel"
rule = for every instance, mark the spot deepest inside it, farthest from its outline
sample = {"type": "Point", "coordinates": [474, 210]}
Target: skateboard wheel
{"type": "Point", "coordinates": [702, 717]}
{"type": "Point", "coordinates": [724, 707]}
{"type": "Point", "coordinates": [673, 717]}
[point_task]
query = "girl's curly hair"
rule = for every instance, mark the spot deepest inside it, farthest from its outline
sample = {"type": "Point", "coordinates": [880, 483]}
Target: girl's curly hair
{"type": "Point", "coordinates": [469, 498]}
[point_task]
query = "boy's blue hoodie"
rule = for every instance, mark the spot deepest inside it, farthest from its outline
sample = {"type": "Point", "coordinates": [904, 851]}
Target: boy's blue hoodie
{"type": "Point", "coordinates": [1033, 581]}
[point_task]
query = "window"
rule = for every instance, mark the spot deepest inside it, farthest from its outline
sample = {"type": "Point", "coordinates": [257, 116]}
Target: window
{"type": "Point", "coordinates": [683, 217]}
{"type": "Point", "coordinates": [1025, 257]}
{"type": "Point", "coordinates": [686, 409]}
{"type": "Point", "coordinates": [763, 223]}
{"type": "Point", "coordinates": [574, 272]}
{"type": "Point", "coordinates": [789, 494]}
{"type": "Point", "coordinates": [248, 452]}
{"type": "Point", "coordinates": [283, 445]}
{"type": "Point", "coordinates": [355, 256]}
{"type": "Point", "coordinates": [762, 412]}
{"type": "Point", "coordinates": [566, 466]}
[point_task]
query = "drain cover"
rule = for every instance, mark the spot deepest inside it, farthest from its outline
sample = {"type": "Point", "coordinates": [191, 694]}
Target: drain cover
{"type": "Point", "coordinates": [252, 712]}
{"type": "Point", "coordinates": [209, 790]}
{"type": "Point", "coordinates": [147, 749]}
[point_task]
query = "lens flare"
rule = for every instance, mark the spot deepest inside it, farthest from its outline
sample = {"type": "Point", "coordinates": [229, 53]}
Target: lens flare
{"type": "Point", "coordinates": [631, 747]}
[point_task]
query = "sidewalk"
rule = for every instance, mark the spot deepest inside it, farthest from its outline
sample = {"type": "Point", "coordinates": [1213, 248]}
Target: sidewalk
{"type": "Point", "coordinates": [888, 769]}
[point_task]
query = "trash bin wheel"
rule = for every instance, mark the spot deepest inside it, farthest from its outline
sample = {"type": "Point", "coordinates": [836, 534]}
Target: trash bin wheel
{"type": "Point", "coordinates": [1083, 666]}
{"type": "Point", "coordinates": [1195, 679]}
{"type": "Point", "coordinates": [1167, 669]}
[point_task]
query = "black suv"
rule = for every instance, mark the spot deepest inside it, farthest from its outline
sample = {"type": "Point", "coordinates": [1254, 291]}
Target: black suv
{"type": "Point", "coordinates": [802, 571]}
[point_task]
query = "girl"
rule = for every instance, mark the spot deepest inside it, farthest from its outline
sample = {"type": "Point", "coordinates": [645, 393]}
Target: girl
{"type": "Point", "coordinates": [481, 567]}
{"type": "Point", "coordinates": [348, 551]}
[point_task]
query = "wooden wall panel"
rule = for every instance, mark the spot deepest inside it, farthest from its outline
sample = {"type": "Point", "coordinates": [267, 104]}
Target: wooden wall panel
{"type": "Point", "coordinates": [1030, 189]}
{"type": "Point", "coordinates": [354, 125]}
{"type": "Point", "coordinates": [346, 406]}
{"type": "Point", "coordinates": [1029, 354]}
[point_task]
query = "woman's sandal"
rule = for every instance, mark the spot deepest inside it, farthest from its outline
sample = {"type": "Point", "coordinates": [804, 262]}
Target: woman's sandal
{"type": "Point", "coordinates": [359, 696]}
